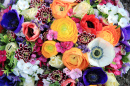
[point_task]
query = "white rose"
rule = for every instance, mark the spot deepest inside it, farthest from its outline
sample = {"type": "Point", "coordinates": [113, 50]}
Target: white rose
{"type": "Point", "coordinates": [81, 9]}
{"type": "Point", "coordinates": [56, 62]}
{"type": "Point", "coordinates": [111, 80]}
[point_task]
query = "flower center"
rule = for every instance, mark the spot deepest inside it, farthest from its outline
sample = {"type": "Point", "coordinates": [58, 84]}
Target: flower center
{"type": "Point", "coordinates": [13, 22]}
{"type": "Point", "coordinates": [97, 53]}
{"type": "Point", "coordinates": [92, 77]}
{"type": "Point", "coordinates": [69, 84]}
{"type": "Point", "coordinates": [62, 8]}
{"type": "Point", "coordinates": [30, 32]}
{"type": "Point", "coordinates": [90, 24]}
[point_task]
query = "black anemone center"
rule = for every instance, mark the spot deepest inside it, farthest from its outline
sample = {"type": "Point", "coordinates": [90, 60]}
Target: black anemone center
{"type": "Point", "coordinates": [30, 32]}
{"type": "Point", "coordinates": [92, 77]}
{"type": "Point", "coordinates": [90, 24]}
{"type": "Point", "coordinates": [69, 84]}
{"type": "Point", "coordinates": [97, 53]}
{"type": "Point", "coordinates": [13, 22]}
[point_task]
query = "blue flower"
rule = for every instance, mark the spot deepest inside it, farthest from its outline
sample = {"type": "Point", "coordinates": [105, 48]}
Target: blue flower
{"type": "Point", "coordinates": [10, 80]}
{"type": "Point", "coordinates": [126, 37]}
{"type": "Point", "coordinates": [12, 21]}
{"type": "Point", "coordinates": [94, 75]}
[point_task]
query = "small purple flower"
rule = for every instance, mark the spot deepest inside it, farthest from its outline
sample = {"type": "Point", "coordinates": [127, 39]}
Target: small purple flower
{"type": "Point", "coordinates": [126, 37]}
{"type": "Point", "coordinates": [125, 68]}
{"type": "Point", "coordinates": [83, 48]}
{"type": "Point", "coordinates": [12, 21]}
{"type": "Point", "coordinates": [94, 75]}
{"type": "Point", "coordinates": [52, 35]}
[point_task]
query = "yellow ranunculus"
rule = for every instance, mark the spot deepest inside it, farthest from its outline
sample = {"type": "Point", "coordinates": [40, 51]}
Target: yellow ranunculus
{"type": "Point", "coordinates": [66, 28]}
{"type": "Point", "coordinates": [56, 61]}
{"type": "Point", "coordinates": [49, 49]}
{"type": "Point", "coordinates": [85, 8]}
{"type": "Point", "coordinates": [111, 80]}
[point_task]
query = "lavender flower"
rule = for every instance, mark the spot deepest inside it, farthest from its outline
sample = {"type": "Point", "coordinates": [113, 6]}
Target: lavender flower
{"type": "Point", "coordinates": [84, 48]}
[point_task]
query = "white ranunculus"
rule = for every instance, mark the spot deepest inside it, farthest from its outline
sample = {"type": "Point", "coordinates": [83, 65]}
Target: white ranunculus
{"type": "Point", "coordinates": [101, 52]}
{"type": "Point", "coordinates": [34, 67]}
{"type": "Point", "coordinates": [113, 19]}
{"type": "Point", "coordinates": [40, 71]}
{"type": "Point", "coordinates": [123, 12]}
{"type": "Point", "coordinates": [20, 64]}
{"type": "Point", "coordinates": [16, 71]}
{"type": "Point", "coordinates": [114, 10]}
{"type": "Point", "coordinates": [85, 8]}
{"type": "Point", "coordinates": [23, 5]}
{"type": "Point", "coordinates": [111, 80]}
{"type": "Point", "coordinates": [123, 22]}
{"type": "Point", "coordinates": [29, 13]}
{"type": "Point", "coordinates": [109, 5]}
{"type": "Point", "coordinates": [28, 68]}
{"type": "Point", "coordinates": [56, 61]}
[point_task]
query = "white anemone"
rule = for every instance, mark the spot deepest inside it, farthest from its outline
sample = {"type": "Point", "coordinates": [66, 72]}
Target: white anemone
{"type": "Point", "coordinates": [101, 52]}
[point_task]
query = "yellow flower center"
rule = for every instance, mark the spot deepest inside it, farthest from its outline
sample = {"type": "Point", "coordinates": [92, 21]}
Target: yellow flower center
{"type": "Point", "coordinates": [49, 48]}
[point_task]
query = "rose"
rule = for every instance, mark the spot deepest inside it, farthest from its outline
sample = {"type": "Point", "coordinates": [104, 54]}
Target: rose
{"type": "Point", "coordinates": [91, 24]}
{"type": "Point", "coordinates": [110, 34]}
{"type": "Point", "coordinates": [49, 49]}
{"type": "Point", "coordinates": [111, 80]}
{"type": "Point", "coordinates": [74, 58]}
{"type": "Point", "coordinates": [85, 8]}
{"type": "Point", "coordinates": [31, 31]}
{"type": "Point", "coordinates": [60, 8]}
{"type": "Point", "coordinates": [56, 61]}
{"type": "Point", "coordinates": [66, 28]}
{"type": "Point", "coordinates": [68, 81]}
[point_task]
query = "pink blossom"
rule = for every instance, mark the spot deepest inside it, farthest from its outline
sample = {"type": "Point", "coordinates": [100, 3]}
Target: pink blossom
{"type": "Point", "coordinates": [70, 13]}
{"type": "Point", "coordinates": [80, 30]}
{"type": "Point", "coordinates": [76, 20]}
{"type": "Point", "coordinates": [63, 46]}
{"type": "Point", "coordinates": [52, 35]}
{"type": "Point", "coordinates": [75, 73]}
{"type": "Point", "coordinates": [42, 60]}
{"type": "Point", "coordinates": [66, 71]}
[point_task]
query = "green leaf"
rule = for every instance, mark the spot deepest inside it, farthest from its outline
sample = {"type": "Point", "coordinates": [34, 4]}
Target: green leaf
{"type": "Point", "coordinates": [55, 84]}
{"type": "Point", "coordinates": [125, 57]}
{"type": "Point", "coordinates": [91, 11]}
{"type": "Point", "coordinates": [119, 16]}
{"type": "Point", "coordinates": [2, 47]}
{"type": "Point", "coordinates": [88, 1]}
{"type": "Point", "coordinates": [114, 63]}
{"type": "Point", "coordinates": [2, 6]}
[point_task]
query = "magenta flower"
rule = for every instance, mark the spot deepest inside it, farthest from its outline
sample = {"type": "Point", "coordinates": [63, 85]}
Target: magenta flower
{"type": "Point", "coordinates": [52, 35]}
{"type": "Point", "coordinates": [63, 46]}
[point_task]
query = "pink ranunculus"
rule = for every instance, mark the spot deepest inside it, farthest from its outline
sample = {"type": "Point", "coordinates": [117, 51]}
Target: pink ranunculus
{"type": "Point", "coordinates": [66, 71]}
{"type": "Point", "coordinates": [30, 30]}
{"type": "Point", "coordinates": [68, 81]}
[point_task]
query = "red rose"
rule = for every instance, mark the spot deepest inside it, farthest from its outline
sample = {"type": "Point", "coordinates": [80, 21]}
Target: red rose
{"type": "Point", "coordinates": [91, 24]}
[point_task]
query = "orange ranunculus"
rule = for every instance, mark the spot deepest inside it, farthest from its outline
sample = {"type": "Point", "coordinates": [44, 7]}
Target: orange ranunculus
{"type": "Point", "coordinates": [49, 49]}
{"type": "Point", "coordinates": [68, 81]}
{"type": "Point", "coordinates": [30, 30]}
{"type": "Point", "coordinates": [74, 58]}
{"type": "Point", "coordinates": [60, 8]}
{"type": "Point", "coordinates": [66, 28]}
{"type": "Point", "coordinates": [110, 34]}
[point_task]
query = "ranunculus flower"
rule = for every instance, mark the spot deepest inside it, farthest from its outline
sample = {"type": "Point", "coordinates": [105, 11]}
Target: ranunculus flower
{"type": "Point", "coordinates": [66, 28]}
{"type": "Point", "coordinates": [31, 31]}
{"type": "Point", "coordinates": [94, 75]}
{"type": "Point", "coordinates": [111, 80]}
{"type": "Point", "coordinates": [12, 21]}
{"type": "Point", "coordinates": [85, 8]}
{"type": "Point", "coordinates": [56, 61]}
{"type": "Point", "coordinates": [110, 34]}
{"type": "Point", "coordinates": [91, 24]}
{"type": "Point", "coordinates": [49, 49]}
{"type": "Point", "coordinates": [101, 52]}
{"type": "Point", "coordinates": [68, 81]}
{"type": "Point", "coordinates": [74, 58]}
{"type": "Point", "coordinates": [60, 8]}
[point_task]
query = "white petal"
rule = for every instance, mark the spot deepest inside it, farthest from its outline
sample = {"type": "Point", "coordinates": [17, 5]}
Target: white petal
{"type": "Point", "coordinates": [93, 43]}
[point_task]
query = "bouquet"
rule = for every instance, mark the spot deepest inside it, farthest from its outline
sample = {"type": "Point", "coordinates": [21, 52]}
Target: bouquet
{"type": "Point", "coordinates": [63, 42]}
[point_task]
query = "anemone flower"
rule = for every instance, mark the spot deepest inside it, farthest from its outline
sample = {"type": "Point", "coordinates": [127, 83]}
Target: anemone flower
{"type": "Point", "coordinates": [94, 75]}
{"type": "Point", "coordinates": [101, 52]}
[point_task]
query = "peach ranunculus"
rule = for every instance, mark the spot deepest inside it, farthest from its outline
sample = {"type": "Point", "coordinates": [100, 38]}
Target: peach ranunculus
{"type": "Point", "coordinates": [60, 8]}
{"type": "Point", "coordinates": [30, 30]}
{"type": "Point", "coordinates": [66, 28]}
{"type": "Point", "coordinates": [68, 81]}
{"type": "Point", "coordinates": [49, 49]}
{"type": "Point", "coordinates": [74, 58]}
{"type": "Point", "coordinates": [110, 34]}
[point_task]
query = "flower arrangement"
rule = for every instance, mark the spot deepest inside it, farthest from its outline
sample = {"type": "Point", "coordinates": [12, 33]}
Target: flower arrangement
{"type": "Point", "coordinates": [63, 42]}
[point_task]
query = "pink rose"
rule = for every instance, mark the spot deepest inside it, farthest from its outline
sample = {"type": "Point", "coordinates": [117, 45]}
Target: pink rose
{"type": "Point", "coordinates": [31, 31]}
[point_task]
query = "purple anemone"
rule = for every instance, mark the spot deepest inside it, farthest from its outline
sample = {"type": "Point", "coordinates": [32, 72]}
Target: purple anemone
{"type": "Point", "coordinates": [126, 37]}
{"type": "Point", "coordinates": [12, 21]}
{"type": "Point", "coordinates": [94, 75]}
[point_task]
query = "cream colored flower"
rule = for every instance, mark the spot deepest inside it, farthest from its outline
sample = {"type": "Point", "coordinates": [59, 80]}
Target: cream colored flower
{"type": "Point", "coordinates": [69, 0]}
{"type": "Point", "coordinates": [30, 83]}
{"type": "Point", "coordinates": [81, 9]}
{"type": "Point", "coordinates": [111, 80]}
{"type": "Point", "coordinates": [56, 61]}
{"type": "Point", "coordinates": [29, 13]}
